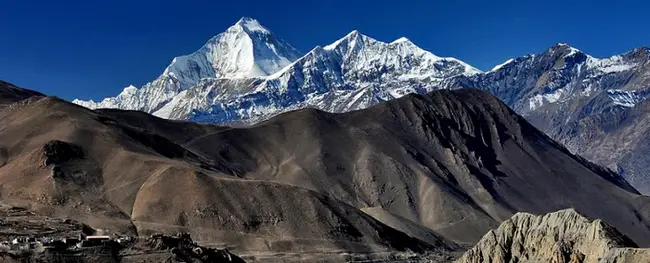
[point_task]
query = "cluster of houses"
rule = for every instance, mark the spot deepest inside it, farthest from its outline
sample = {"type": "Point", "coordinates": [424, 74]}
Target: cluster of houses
{"type": "Point", "coordinates": [80, 242]}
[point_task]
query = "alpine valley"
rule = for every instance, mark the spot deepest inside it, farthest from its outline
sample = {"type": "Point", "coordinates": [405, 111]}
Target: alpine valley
{"type": "Point", "coordinates": [594, 106]}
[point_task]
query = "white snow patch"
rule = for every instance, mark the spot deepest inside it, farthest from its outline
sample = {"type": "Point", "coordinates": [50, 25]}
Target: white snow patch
{"type": "Point", "coordinates": [541, 99]}
{"type": "Point", "coordinates": [338, 42]}
{"type": "Point", "coordinates": [587, 91]}
{"type": "Point", "coordinates": [572, 51]}
{"type": "Point", "coordinates": [129, 90]}
{"type": "Point", "coordinates": [400, 40]}
{"type": "Point", "coordinates": [252, 25]}
{"type": "Point", "coordinates": [609, 65]}
{"type": "Point", "coordinates": [623, 98]}
{"type": "Point", "coordinates": [91, 104]}
{"type": "Point", "coordinates": [497, 67]}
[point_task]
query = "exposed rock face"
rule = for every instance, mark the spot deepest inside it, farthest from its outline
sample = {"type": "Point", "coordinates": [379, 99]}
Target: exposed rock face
{"type": "Point", "coordinates": [617, 139]}
{"type": "Point", "coordinates": [57, 152]}
{"type": "Point", "coordinates": [560, 237]}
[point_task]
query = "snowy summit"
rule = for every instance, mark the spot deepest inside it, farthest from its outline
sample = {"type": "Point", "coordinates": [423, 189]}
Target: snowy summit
{"type": "Point", "coordinates": [244, 50]}
{"type": "Point", "coordinates": [251, 25]}
{"type": "Point", "coordinates": [247, 74]}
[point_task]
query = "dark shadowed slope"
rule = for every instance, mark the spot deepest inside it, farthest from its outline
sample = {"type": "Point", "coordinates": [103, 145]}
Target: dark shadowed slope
{"type": "Point", "coordinates": [10, 93]}
{"type": "Point", "coordinates": [455, 162]}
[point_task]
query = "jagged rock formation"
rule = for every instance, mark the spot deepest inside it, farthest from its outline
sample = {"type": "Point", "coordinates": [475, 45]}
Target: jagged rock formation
{"type": "Point", "coordinates": [560, 237]}
{"type": "Point", "coordinates": [57, 152]}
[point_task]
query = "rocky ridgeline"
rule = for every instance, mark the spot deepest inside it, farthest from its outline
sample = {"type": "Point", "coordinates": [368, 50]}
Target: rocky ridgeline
{"type": "Point", "coordinates": [561, 237]}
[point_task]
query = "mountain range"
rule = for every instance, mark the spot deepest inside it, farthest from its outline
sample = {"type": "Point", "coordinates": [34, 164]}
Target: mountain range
{"type": "Point", "coordinates": [247, 74]}
{"type": "Point", "coordinates": [220, 84]}
{"type": "Point", "coordinates": [425, 174]}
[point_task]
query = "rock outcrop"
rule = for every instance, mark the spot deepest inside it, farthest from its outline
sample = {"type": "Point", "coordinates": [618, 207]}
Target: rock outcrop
{"type": "Point", "coordinates": [561, 237]}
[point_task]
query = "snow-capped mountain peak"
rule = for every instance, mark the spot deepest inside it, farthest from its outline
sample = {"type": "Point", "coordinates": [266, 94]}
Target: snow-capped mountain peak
{"type": "Point", "coordinates": [497, 67]}
{"type": "Point", "coordinates": [250, 25]}
{"type": "Point", "coordinates": [129, 90]}
{"type": "Point", "coordinates": [354, 72]}
{"type": "Point", "coordinates": [245, 50]}
{"type": "Point", "coordinates": [368, 52]}
{"type": "Point", "coordinates": [350, 40]}
{"type": "Point", "coordinates": [564, 74]}
{"type": "Point", "coordinates": [565, 49]}
{"type": "Point", "coordinates": [401, 40]}
{"type": "Point", "coordinates": [248, 74]}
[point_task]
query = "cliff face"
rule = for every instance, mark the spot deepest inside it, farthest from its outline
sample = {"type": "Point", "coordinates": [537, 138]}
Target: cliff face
{"type": "Point", "coordinates": [561, 237]}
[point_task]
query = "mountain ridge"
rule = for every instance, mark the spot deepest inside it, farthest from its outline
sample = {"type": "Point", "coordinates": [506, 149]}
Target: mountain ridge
{"type": "Point", "coordinates": [165, 96]}
{"type": "Point", "coordinates": [181, 106]}
{"type": "Point", "coordinates": [333, 78]}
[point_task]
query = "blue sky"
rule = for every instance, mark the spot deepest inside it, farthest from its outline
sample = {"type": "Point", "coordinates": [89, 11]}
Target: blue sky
{"type": "Point", "coordinates": [92, 49]}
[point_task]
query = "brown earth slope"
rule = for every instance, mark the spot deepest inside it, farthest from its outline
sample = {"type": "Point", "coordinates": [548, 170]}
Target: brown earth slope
{"type": "Point", "coordinates": [65, 160]}
{"type": "Point", "coordinates": [456, 163]}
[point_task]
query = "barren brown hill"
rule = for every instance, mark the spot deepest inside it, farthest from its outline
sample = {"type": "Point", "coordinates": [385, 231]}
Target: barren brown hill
{"type": "Point", "coordinates": [68, 161]}
{"type": "Point", "coordinates": [450, 165]}
{"type": "Point", "coordinates": [457, 162]}
{"type": "Point", "coordinates": [10, 93]}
